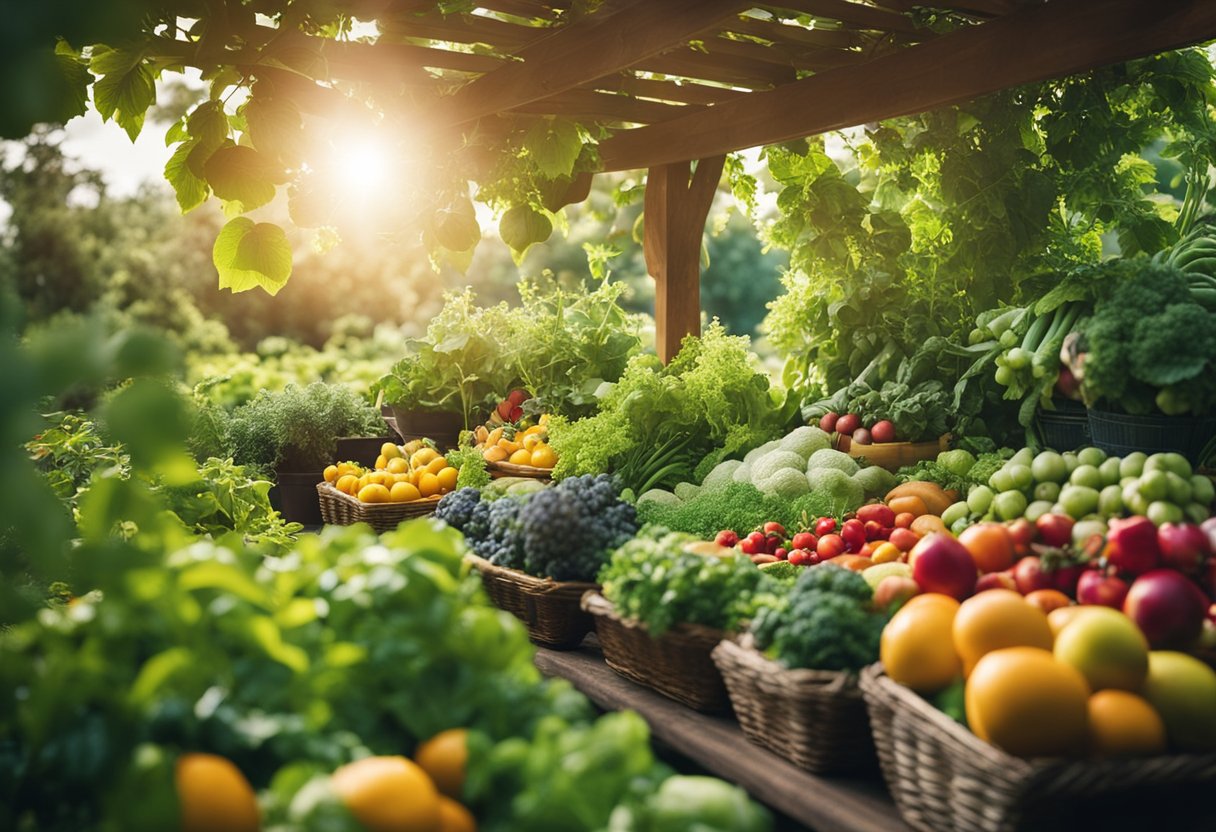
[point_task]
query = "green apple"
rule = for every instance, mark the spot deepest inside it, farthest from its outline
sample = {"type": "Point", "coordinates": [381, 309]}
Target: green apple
{"type": "Point", "coordinates": [1107, 647]}
{"type": "Point", "coordinates": [1183, 690]}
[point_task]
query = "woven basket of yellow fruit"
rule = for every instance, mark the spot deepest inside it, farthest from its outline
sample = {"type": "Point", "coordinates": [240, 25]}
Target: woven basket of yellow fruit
{"type": "Point", "coordinates": [407, 481]}
{"type": "Point", "coordinates": [516, 449]}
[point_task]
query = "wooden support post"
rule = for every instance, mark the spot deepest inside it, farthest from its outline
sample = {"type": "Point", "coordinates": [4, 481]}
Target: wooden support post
{"type": "Point", "coordinates": [676, 207]}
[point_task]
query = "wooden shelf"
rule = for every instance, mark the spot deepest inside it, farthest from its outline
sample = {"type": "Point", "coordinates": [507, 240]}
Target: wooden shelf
{"type": "Point", "coordinates": [717, 744]}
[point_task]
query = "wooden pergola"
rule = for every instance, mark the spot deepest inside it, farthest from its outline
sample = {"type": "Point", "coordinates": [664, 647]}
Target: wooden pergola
{"type": "Point", "coordinates": [682, 82]}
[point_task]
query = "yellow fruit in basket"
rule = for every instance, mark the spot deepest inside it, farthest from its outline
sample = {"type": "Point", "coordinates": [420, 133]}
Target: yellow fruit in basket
{"type": "Point", "coordinates": [346, 483]}
{"type": "Point", "coordinates": [422, 456]}
{"type": "Point", "coordinates": [345, 468]}
{"type": "Point", "coordinates": [495, 454]}
{"type": "Point", "coordinates": [388, 794]}
{"type": "Point", "coordinates": [543, 457]}
{"type": "Point", "coordinates": [531, 440]}
{"type": "Point", "coordinates": [374, 493]}
{"type": "Point", "coordinates": [410, 447]}
{"type": "Point", "coordinates": [331, 473]}
{"type": "Point", "coordinates": [521, 457]}
{"type": "Point", "coordinates": [428, 484]}
{"type": "Point", "coordinates": [404, 492]}
{"type": "Point", "coordinates": [397, 465]}
{"type": "Point", "coordinates": [493, 436]}
{"type": "Point", "coordinates": [508, 445]}
{"type": "Point", "coordinates": [481, 433]}
{"type": "Point", "coordinates": [389, 450]}
{"type": "Point", "coordinates": [380, 463]}
{"type": "Point", "coordinates": [436, 465]}
{"type": "Point", "coordinates": [447, 479]}
{"type": "Point", "coordinates": [534, 429]}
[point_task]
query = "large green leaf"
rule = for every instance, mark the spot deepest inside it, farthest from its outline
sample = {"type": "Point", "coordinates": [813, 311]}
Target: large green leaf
{"type": "Point", "coordinates": [191, 191]}
{"type": "Point", "coordinates": [76, 77]}
{"type": "Point", "coordinates": [125, 90]}
{"type": "Point", "coordinates": [249, 255]}
{"type": "Point", "coordinates": [241, 175]}
{"type": "Point", "coordinates": [275, 128]}
{"type": "Point", "coordinates": [554, 145]}
{"type": "Point", "coordinates": [523, 225]}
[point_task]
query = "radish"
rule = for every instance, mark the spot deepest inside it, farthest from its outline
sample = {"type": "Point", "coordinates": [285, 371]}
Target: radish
{"type": "Point", "coordinates": [848, 423]}
{"type": "Point", "coordinates": [883, 431]}
{"type": "Point", "coordinates": [828, 423]}
{"type": "Point", "coordinates": [862, 436]}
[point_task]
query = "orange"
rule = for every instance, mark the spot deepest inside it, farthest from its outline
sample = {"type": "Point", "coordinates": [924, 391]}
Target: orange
{"type": "Point", "coordinates": [995, 619]}
{"type": "Point", "coordinates": [521, 457]}
{"type": "Point", "coordinates": [1024, 701]}
{"type": "Point", "coordinates": [436, 465]}
{"type": "Point", "coordinates": [214, 795]}
{"type": "Point", "coordinates": [374, 493]}
{"type": "Point", "coordinates": [990, 546]}
{"type": "Point", "coordinates": [403, 492]}
{"type": "Point", "coordinates": [428, 484]}
{"type": "Point", "coordinates": [455, 818]}
{"type": "Point", "coordinates": [543, 456]}
{"type": "Point", "coordinates": [389, 794]}
{"type": "Point", "coordinates": [1124, 723]}
{"type": "Point", "coordinates": [1048, 599]}
{"type": "Point", "coordinates": [447, 479]}
{"type": "Point", "coordinates": [917, 648]}
{"type": "Point", "coordinates": [346, 483]}
{"type": "Point", "coordinates": [444, 757]}
{"type": "Point", "coordinates": [331, 473]}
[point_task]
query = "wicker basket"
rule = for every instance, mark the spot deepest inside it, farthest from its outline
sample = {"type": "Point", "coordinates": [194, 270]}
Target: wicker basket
{"type": "Point", "coordinates": [549, 608]}
{"type": "Point", "coordinates": [678, 664]}
{"type": "Point", "coordinates": [340, 509]}
{"type": "Point", "coordinates": [816, 719]}
{"type": "Point", "coordinates": [946, 779]}
{"type": "Point", "coordinates": [506, 469]}
{"type": "Point", "coordinates": [893, 455]}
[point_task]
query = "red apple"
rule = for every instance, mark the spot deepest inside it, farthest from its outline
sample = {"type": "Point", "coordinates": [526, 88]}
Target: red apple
{"type": "Point", "coordinates": [996, 580]}
{"type": "Point", "coordinates": [781, 554]}
{"type": "Point", "coordinates": [827, 423]}
{"type": "Point", "coordinates": [1065, 578]}
{"type": "Point", "coordinates": [727, 538]}
{"type": "Point", "coordinates": [1167, 607]}
{"type": "Point", "coordinates": [1028, 574]}
{"type": "Point", "coordinates": [1131, 545]}
{"type": "Point", "coordinates": [941, 564]}
{"type": "Point", "coordinates": [848, 423]}
{"type": "Point", "coordinates": [894, 589]}
{"type": "Point", "coordinates": [1096, 588]}
{"type": "Point", "coordinates": [773, 527]}
{"type": "Point", "coordinates": [825, 525]}
{"type": "Point", "coordinates": [853, 533]}
{"type": "Point", "coordinates": [829, 546]}
{"type": "Point", "coordinates": [1209, 528]}
{"type": "Point", "coordinates": [1184, 546]}
{"type": "Point", "coordinates": [1055, 529]}
{"type": "Point", "coordinates": [883, 431]}
{"type": "Point", "coordinates": [874, 530]}
{"type": "Point", "coordinates": [1023, 533]}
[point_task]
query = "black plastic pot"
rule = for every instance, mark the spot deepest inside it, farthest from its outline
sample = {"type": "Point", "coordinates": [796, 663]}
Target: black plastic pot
{"type": "Point", "coordinates": [361, 449]}
{"type": "Point", "coordinates": [1066, 428]}
{"type": "Point", "coordinates": [297, 496]}
{"type": "Point", "coordinates": [1121, 434]}
{"type": "Point", "coordinates": [443, 427]}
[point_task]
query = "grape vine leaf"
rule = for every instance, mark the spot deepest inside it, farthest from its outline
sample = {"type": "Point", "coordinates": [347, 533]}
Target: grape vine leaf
{"type": "Point", "coordinates": [554, 145]}
{"type": "Point", "coordinates": [191, 191]}
{"type": "Point", "coordinates": [125, 90]}
{"type": "Point", "coordinates": [275, 128]}
{"type": "Point", "coordinates": [76, 79]}
{"type": "Point", "coordinates": [240, 175]}
{"type": "Point", "coordinates": [248, 254]}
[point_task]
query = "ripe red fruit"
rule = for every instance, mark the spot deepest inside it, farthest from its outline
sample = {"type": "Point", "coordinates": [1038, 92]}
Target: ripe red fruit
{"type": "Point", "coordinates": [848, 423]}
{"type": "Point", "coordinates": [904, 519]}
{"type": "Point", "coordinates": [756, 537]}
{"type": "Point", "coordinates": [996, 580]}
{"type": "Point", "coordinates": [798, 557]}
{"type": "Point", "coordinates": [1029, 575]}
{"type": "Point", "coordinates": [781, 553]}
{"type": "Point", "coordinates": [504, 409]}
{"type": "Point", "coordinates": [825, 525]}
{"type": "Point", "coordinates": [1055, 529]}
{"type": "Point", "coordinates": [748, 546]}
{"type": "Point", "coordinates": [1097, 589]}
{"type": "Point", "coordinates": [827, 423]}
{"type": "Point", "coordinates": [1183, 546]}
{"type": "Point", "coordinates": [883, 431]}
{"type": "Point", "coordinates": [862, 436]}
{"type": "Point", "coordinates": [772, 527]}
{"type": "Point", "coordinates": [1168, 608]}
{"type": "Point", "coordinates": [941, 564]}
{"type": "Point", "coordinates": [904, 539]}
{"type": "Point", "coordinates": [516, 414]}
{"type": "Point", "coordinates": [726, 538]}
{"type": "Point", "coordinates": [1131, 545]}
{"type": "Point", "coordinates": [880, 513]}
{"type": "Point", "coordinates": [1023, 533]}
{"type": "Point", "coordinates": [829, 546]}
{"type": "Point", "coordinates": [518, 397]}
{"type": "Point", "coordinates": [874, 530]}
{"type": "Point", "coordinates": [853, 533]}
{"type": "Point", "coordinates": [813, 558]}
{"type": "Point", "coordinates": [804, 540]}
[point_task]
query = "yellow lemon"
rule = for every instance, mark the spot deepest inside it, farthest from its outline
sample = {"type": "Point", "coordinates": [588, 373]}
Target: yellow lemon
{"type": "Point", "coordinates": [447, 479]}
{"type": "Point", "coordinates": [390, 451]}
{"type": "Point", "coordinates": [428, 484]}
{"type": "Point", "coordinates": [495, 454]}
{"type": "Point", "coordinates": [381, 461]}
{"type": "Point", "coordinates": [214, 795]}
{"type": "Point", "coordinates": [444, 757]}
{"type": "Point", "coordinates": [521, 457]}
{"type": "Point", "coordinates": [345, 468]}
{"type": "Point", "coordinates": [331, 473]}
{"type": "Point", "coordinates": [531, 440]}
{"type": "Point", "coordinates": [397, 465]}
{"type": "Point", "coordinates": [422, 456]}
{"type": "Point", "coordinates": [543, 457]}
{"type": "Point", "coordinates": [346, 483]}
{"type": "Point", "coordinates": [389, 794]}
{"type": "Point", "coordinates": [404, 492]}
{"type": "Point", "coordinates": [374, 493]}
{"type": "Point", "coordinates": [436, 465]}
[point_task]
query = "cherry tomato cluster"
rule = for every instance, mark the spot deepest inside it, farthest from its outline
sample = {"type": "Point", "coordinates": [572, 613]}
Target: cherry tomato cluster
{"type": "Point", "coordinates": [825, 539]}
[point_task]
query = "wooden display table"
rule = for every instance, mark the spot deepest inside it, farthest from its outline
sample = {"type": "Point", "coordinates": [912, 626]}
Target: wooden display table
{"type": "Point", "coordinates": [718, 746]}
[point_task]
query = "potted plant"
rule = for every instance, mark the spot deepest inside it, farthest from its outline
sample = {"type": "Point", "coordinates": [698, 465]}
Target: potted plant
{"type": "Point", "coordinates": [293, 435]}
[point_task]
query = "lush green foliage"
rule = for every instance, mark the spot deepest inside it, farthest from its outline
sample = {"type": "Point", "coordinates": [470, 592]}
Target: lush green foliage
{"type": "Point", "coordinates": [909, 229]}
{"type": "Point", "coordinates": [297, 427]}
{"type": "Point", "coordinates": [659, 424]}
{"type": "Point", "coordinates": [738, 506]}
{"type": "Point", "coordinates": [652, 579]}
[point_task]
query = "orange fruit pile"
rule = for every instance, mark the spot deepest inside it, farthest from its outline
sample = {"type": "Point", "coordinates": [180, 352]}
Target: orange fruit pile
{"type": "Point", "coordinates": [402, 474]}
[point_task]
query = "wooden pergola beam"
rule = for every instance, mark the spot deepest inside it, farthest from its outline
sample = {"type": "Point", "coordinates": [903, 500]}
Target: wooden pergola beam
{"type": "Point", "coordinates": [675, 210]}
{"type": "Point", "coordinates": [855, 14]}
{"type": "Point", "coordinates": [1040, 42]}
{"type": "Point", "coordinates": [584, 50]}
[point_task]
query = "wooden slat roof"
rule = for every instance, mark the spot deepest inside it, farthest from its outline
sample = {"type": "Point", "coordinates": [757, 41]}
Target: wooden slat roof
{"type": "Point", "coordinates": [676, 80]}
